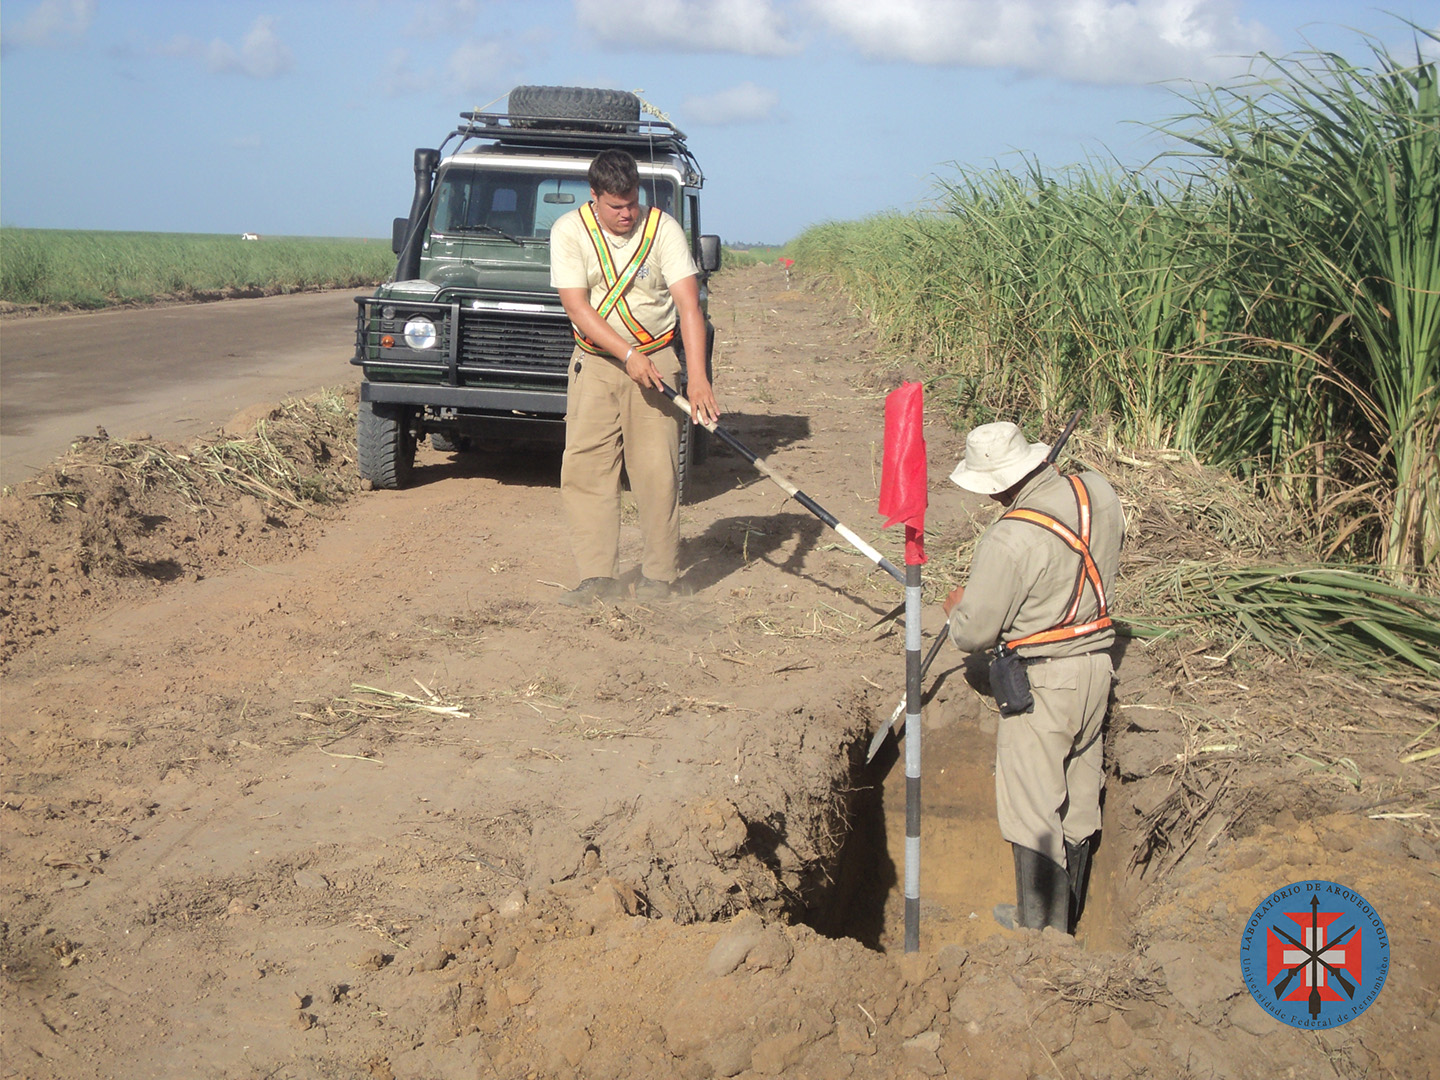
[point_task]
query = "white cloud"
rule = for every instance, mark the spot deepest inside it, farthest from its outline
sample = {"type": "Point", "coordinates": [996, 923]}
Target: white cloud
{"type": "Point", "coordinates": [480, 67]}
{"type": "Point", "coordinates": [179, 45]}
{"type": "Point", "coordinates": [1094, 41]}
{"type": "Point", "coordinates": [749, 27]}
{"type": "Point", "coordinates": [743, 104]}
{"type": "Point", "coordinates": [51, 22]}
{"type": "Point", "coordinates": [262, 55]}
{"type": "Point", "coordinates": [400, 77]}
{"type": "Point", "coordinates": [437, 18]}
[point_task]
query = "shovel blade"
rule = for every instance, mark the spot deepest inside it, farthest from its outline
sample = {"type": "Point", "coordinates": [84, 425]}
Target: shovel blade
{"type": "Point", "coordinates": [896, 723]}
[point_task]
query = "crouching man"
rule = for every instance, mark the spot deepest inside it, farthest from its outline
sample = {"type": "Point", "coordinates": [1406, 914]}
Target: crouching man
{"type": "Point", "coordinates": [1036, 594]}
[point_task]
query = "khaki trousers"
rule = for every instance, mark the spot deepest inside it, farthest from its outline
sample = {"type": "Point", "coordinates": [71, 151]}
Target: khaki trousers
{"type": "Point", "coordinates": [1049, 763]}
{"type": "Point", "coordinates": [610, 419]}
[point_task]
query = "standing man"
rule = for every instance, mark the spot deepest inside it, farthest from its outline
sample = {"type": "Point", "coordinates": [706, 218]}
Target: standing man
{"type": "Point", "coordinates": [629, 285]}
{"type": "Point", "coordinates": [1038, 585]}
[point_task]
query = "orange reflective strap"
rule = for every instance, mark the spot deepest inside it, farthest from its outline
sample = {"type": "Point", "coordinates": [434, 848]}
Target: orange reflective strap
{"type": "Point", "coordinates": [653, 345]}
{"type": "Point", "coordinates": [1087, 571]}
{"type": "Point", "coordinates": [1061, 633]}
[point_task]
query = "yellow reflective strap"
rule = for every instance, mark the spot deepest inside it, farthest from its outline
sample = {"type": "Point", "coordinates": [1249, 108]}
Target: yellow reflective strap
{"type": "Point", "coordinates": [641, 335]}
{"type": "Point", "coordinates": [597, 240]}
{"type": "Point", "coordinates": [618, 283]}
{"type": "Point", "coordinates": [621, 284]}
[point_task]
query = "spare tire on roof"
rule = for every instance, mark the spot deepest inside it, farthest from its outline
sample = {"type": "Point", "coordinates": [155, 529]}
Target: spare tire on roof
{"type": "Point", "coordinates": [573, 106]}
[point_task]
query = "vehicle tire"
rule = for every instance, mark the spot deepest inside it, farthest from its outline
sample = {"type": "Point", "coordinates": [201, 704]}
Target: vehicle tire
{"type": "Point", "coordinates": [448, 444]}
{"type": "Point", "coordinates": [385, 445]}
{"type": "Point", "coordinates": [560, 106]}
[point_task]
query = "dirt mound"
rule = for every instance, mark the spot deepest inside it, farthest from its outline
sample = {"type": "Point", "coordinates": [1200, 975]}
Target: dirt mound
{"type": "Point", "coordinates": [115, 518]}
{"type": "Point", "coordinates": [305, 784]}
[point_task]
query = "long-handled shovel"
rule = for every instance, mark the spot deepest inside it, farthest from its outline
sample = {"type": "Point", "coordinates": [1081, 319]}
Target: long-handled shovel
{"type": "Point", "coordinates": [893, 724]}
{"type": "Point", "coordinates": [790, 489]}
{"type": "Point", "coordinates": [878, 740]}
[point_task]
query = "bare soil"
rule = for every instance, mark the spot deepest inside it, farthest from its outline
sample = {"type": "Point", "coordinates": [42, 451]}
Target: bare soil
{"type": "Point", "coordinates": [336, 789]}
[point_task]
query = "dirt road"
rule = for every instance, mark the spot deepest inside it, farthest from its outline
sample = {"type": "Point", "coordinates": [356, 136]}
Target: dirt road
{"type": "Point", "coordinates": [340, 791]}
{"type": "Point", "coordinates": [173, 371]}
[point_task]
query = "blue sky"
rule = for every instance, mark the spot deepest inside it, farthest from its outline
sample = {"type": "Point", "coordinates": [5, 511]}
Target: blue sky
{"type": "Point", "coordinates": [299, 118]}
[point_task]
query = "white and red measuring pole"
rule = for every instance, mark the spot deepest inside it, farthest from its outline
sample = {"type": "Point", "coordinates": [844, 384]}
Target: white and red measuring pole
{"type": "Point", "coordinates": [903, 498]}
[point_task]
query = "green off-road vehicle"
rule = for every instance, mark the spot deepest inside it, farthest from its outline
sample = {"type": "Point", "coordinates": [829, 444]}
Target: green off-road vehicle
{"type": "Point", "coordinates": [469, 344]}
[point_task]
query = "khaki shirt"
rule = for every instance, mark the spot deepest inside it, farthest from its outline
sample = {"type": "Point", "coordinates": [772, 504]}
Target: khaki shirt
{"type": "Point", "coordinates": [574, 265]}
{"type": "Point", "coordinates": [1022, 576]}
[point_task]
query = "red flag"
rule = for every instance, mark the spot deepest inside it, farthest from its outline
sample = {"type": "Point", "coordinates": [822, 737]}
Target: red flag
{"type": "Point", "coordinates": [903, 479]}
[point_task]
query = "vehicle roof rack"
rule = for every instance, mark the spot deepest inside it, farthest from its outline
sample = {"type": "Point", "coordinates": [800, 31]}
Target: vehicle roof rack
{"type": "Point", "coordinates": [642, 137]}
{"type": "Point", "coordinates": [571, 132]}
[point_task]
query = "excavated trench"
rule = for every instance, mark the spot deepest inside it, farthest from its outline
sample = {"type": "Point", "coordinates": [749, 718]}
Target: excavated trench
{"type": "Point", "coordinates": [965, 866]}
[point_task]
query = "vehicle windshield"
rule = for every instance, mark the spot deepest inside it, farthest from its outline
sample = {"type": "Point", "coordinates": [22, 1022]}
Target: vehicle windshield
{"type": "Point", "coordinates": [521, 203]}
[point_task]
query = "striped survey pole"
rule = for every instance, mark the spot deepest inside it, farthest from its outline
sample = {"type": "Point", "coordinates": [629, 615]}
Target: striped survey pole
{"type": "Point", "coordinates": [912, 753]}
{"type": "Point", "coordinates": [893, 724]}
{"type": "Point", "coordinates": [903, 497]}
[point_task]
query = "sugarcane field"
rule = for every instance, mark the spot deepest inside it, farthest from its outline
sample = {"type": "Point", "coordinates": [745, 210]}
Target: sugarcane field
{"type": "Point", "coordinates": [304, 780]}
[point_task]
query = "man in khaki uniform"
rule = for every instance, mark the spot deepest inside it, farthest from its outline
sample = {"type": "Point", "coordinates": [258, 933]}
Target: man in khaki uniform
{"type": "Point", "coordinates": [627, 280]}
{"type": "Point", "coordinates": [1038, 582]}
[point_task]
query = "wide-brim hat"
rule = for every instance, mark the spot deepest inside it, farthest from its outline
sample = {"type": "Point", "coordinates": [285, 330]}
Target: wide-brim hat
{"type": "Point", "coordinates": [997, 457]}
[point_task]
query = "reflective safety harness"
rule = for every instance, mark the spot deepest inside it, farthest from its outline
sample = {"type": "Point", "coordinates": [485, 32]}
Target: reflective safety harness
{"type": "Point", "coordinates": [619, 283]}
{"type": "Point", "coordinates": [1066, 629]}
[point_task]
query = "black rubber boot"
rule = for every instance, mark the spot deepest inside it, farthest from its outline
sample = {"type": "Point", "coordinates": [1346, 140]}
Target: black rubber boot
{"type": "Point", "coordinates": [1042, 893]}
{"type": "Point", "coordinates": [1077, 868]}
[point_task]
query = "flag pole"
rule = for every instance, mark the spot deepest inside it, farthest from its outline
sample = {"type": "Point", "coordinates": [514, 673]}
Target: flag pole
{"type": "Point", "coordinates": [913, 678]}
{"type": "Point", "coordinates": [904, 493]}
{"type": "Point", "coordinates": [894, 722]}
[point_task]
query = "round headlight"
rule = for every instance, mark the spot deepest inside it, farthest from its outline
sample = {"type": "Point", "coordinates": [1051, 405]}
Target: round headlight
{"type": "Point", "coordinates": [420, 334]}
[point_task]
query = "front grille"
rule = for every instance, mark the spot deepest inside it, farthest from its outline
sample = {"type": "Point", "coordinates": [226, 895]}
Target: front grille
{"type": "Point", "coordinates": [514, 339]}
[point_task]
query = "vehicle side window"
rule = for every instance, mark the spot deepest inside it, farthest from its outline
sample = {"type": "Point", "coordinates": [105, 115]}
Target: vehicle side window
{"type": "Point", "coordinates": [691, 220]}
{"type": "Point", "coordinates": [657, 193]}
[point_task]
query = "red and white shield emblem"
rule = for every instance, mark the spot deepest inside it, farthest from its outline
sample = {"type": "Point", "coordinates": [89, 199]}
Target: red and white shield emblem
{"type": "Point", "coordinates": [1323, 953]}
